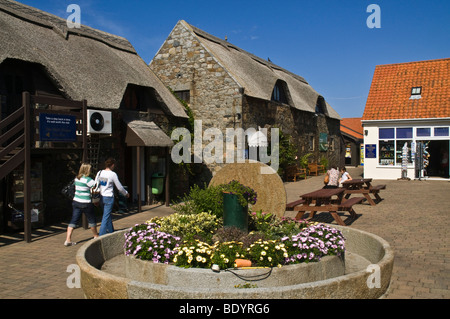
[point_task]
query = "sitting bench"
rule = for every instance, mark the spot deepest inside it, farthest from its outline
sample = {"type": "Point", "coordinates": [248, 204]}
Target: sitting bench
{"type": "Point", "coordinates": [291, 206]}
{"type": "Point", "coordinates": [347, 205]}
{"type": "Point", "coordinates": [376, 189]}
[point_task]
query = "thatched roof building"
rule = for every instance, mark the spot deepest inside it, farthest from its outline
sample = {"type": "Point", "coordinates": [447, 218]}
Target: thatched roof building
{"type": "Point", "coordinates": [258, 77]}
{"type": "Point", "coordinates": [83, 63]}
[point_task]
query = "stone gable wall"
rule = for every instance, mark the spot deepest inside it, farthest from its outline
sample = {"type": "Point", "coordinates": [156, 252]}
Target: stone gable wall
{"type": "Point", "coordinates": [183, 63]}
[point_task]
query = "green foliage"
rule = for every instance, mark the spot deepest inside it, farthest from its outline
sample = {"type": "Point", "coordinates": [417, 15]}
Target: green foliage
{"type": "Point", "coordinates": [185, 226]}
{"type": "Point", "coordinates": [225, 253]}
{"type": "Point", "coordinates": [304, 160]}
{"type": "Point", "coordinates": [287, 151]}
{"type": "Point", "coordinates": [194, 253]}
{"type": "Point", "coordinates": [210, 199]}
{"type": "Point", "coordinates": [324, 162]}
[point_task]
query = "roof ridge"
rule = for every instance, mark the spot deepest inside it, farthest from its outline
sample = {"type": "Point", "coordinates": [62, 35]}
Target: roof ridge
{"type": "Point", "coordinates": [227, 45]}
{"type": "Point", "coordinates": [59, 25]}
{"type": "Point", "coordinates": [413, 62]}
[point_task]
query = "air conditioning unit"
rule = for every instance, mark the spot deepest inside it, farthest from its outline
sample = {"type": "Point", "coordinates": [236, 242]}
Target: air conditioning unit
{"type": "Point", "coordinates": [99, 122]}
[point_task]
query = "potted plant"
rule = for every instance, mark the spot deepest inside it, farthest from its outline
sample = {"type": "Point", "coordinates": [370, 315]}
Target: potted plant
{"type": "Point", "coordinates": [236, 198]}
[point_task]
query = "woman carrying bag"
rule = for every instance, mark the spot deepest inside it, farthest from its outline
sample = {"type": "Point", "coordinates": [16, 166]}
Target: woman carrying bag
{"type": "Point", "coordinates": [82, 203]}
{"type": "Point", "coordinates": [106, 179]}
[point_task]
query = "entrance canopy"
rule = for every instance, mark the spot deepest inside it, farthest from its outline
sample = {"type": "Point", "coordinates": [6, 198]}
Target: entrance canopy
{"type": "Point", "coordinates": [142, 133]}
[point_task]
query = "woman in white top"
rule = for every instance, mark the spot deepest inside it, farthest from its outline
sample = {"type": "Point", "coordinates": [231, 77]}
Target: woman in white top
{"type": "Point", "coordinates": [344, 177]}
{"type": "Point", "coordinates": [106, 179]}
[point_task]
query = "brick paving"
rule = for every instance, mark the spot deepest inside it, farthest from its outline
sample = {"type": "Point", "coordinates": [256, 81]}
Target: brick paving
{"type": "Point", "coordinates": [413, 218]}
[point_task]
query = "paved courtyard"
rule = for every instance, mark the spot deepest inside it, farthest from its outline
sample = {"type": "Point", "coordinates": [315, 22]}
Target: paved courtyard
{"type": "Point", "coordinates": [413, 218]}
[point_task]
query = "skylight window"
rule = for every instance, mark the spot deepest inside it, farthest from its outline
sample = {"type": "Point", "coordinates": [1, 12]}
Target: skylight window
{"type": "Point", "coordinates": [416, 93]}
{"type": "Point", "coordinates": [416, 90]}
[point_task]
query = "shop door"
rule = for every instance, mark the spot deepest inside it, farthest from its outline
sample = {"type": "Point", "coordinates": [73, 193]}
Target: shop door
{"type": "Point", "coordinates": [439, 151]}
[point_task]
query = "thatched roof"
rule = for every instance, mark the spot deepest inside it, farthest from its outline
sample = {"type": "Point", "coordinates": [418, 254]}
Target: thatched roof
{"type": "Point", "coordinates": [142, 133]}
{"type": "Point", "coordinates": [258, 76]}
{"type": "Point", "coordinates": [84, 63]}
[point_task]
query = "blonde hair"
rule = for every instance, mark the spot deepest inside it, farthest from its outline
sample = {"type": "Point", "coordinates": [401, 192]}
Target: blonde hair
{"type": "Point", "coordinates": [85, 170]}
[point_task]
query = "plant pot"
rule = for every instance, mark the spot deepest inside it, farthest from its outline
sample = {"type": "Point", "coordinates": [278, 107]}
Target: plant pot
{"type": "Point", "coordinates": [234, 214]}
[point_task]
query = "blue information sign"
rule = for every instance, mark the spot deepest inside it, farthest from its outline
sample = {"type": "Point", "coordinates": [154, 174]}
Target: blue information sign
{"type": "Point", "coordinates": [371, 151]}
{"type": "Point", "coordinates": [57, 127]}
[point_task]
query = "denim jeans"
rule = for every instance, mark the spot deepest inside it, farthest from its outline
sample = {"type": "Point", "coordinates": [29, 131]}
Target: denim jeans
{"type": "Point", "coordinates": [107, 204]}
{"type": "Point", "coordinates": [80, 208]}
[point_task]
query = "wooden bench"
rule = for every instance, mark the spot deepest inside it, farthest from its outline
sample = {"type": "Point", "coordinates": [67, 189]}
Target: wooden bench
{"type": "Point", "coordinates": [293, 172]}
{"type": "Point", "coordinates": [313, 169]}
{"type": "Point", "coordinates": [322, 201]}
{"type": "Point", "coordinates": [347, 205]}
{"type": "Point", "coordinates": [291, 206]}
{"type": "Point", "coordinates": [375, 190]}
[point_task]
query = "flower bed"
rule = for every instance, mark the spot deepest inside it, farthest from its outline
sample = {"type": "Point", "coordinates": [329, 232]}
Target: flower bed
{"type": "Point", "coordinates": [199, 241]}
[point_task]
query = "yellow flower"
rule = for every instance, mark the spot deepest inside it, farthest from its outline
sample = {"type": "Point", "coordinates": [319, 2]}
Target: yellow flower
{"type": "Point", "coordinates": [269, 258]}
{"type": "Point", "coordinates": [199, 258]}
{"type": "Point", "coordinates": [263, 253]}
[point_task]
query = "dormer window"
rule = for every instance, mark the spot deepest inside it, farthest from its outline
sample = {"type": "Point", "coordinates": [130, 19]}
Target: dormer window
{"type": "Point", "coordinates": [416, 93]}
{"type": "Point", "coordinates": [279, 93]}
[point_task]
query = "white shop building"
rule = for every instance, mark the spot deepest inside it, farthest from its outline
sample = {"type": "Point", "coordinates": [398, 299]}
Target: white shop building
{"type": "Point", "coordinates": [406, 121]}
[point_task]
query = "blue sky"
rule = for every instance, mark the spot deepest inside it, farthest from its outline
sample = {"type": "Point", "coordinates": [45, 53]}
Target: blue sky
{"type": "Point", "coordinates": [327, 42]}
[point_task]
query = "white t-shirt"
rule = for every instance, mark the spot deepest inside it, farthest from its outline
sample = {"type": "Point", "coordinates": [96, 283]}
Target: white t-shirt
{"type": "Point", "coordinates": [344, 177]}
{"type": "Point", "coordinates": [107, 180]}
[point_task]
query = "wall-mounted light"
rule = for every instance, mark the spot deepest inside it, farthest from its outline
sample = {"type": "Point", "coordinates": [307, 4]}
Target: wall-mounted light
{"type": "Point", "coordinates": [366, 132]}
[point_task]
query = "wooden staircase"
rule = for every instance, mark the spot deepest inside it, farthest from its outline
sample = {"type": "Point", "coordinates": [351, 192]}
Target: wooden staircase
{"type": "Point", "coordinates": [12, 142]}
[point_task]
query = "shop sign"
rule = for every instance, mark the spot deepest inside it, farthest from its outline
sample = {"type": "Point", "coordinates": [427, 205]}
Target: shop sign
{"type": "Point", "coordinates": [371, 151]}
{"type": "Point", "coordinates": [323, 142]}
{"type": "Point", "coordinates": [57, 128]}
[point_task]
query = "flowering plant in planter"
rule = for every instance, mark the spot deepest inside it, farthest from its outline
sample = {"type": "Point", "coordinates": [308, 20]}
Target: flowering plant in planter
{"type": "Point", "coordinates": [225, 254]}
{"type": "Point", "coordinates": [268, 253]}
{"type": "Point", "coordinates": [148, 243]}
{"type": "Point", "coordinates": [302, 242]}
{"type": "Point", "coordinates": [185, 226]}
{"type": "Point", "coordinates": [193, 253]}
{"type": "Point", "coordinates": [246, 195]}
{"type": "Point", "coordinates": [312, 243]}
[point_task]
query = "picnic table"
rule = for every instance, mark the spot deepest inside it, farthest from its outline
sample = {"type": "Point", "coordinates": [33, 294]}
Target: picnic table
{"type": "Point", "coordinates": [324, 200]}
{"type": "Point", "coordinates": [362, 186]}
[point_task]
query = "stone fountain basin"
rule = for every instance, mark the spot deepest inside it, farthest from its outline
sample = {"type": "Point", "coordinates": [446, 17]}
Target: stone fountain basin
{"type": "Point", "coordinates": [365, 273]}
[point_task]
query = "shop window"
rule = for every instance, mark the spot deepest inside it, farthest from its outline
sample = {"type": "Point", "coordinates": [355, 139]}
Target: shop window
{"type": "Point", "coordinates": [386, 153]}
{"type": "Point", "coordinates": [386, 133]}
{"type": "Point", "coordinates": [441, 131]}
{"type": "Point", "coordinates": [399, 151]}
{"type": "Point", "coordinates": [423, 132]}
{"type": "Point", "coordinates": [404, 132]}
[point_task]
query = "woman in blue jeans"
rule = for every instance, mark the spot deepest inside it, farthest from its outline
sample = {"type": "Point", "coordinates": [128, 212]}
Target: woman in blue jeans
{"type": "Point", "coordinates": [107, 178]}
{"type": "Point", "coordinates": [82, 203]}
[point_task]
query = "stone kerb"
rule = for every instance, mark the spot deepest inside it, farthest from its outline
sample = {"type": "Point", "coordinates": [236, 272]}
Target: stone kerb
{"type": "Point", "coordinates": [269, 187]}
{"type": "Point", "coordinates": [168, 275]}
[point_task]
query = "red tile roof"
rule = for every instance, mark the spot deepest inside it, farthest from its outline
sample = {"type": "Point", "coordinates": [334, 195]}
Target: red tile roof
{"type": "Point", "coordinates": [390, 92]}
{"type": "Point", "coordinates": [352, 126]}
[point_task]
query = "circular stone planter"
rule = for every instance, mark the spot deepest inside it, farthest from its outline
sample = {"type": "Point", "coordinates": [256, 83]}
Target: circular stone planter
{"type": "Point", "coordinates": [328, 278]}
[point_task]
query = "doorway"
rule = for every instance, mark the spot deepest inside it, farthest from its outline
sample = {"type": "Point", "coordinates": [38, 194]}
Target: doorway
{"type": "Point", "coordinates": [438, 165]}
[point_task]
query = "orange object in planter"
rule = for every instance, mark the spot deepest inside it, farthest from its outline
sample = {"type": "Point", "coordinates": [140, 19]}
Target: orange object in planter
{"type": "Point", "coordinates": [243, 263]}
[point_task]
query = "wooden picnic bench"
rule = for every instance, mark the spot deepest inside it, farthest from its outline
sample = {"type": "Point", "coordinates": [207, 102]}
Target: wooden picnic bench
{"type": "Point", "coordinates": [363, 186]}
{"type": "Point", "coordinates": [325, 200]}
